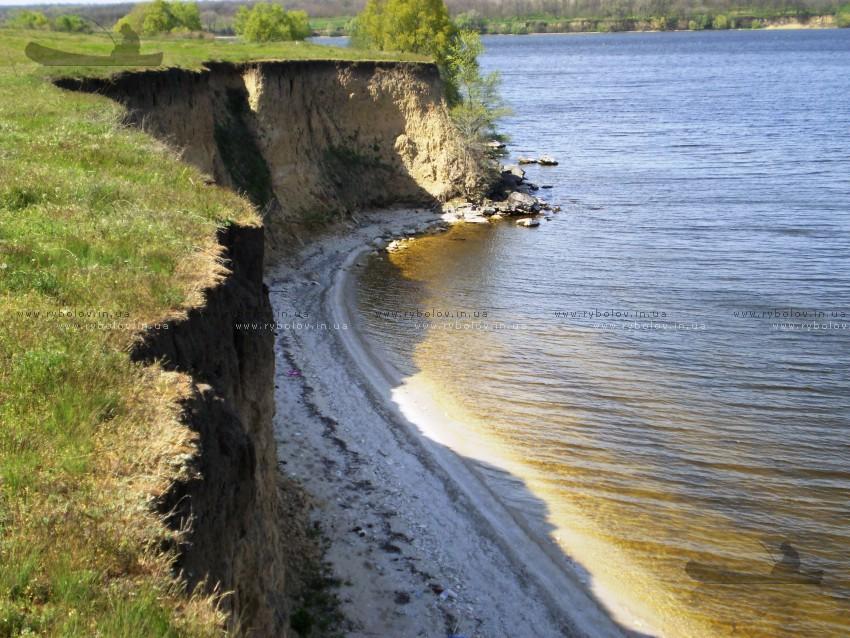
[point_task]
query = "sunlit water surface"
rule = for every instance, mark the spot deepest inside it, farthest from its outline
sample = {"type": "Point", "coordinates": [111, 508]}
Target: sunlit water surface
{"type": "Point", "coordinates": [703, 176]}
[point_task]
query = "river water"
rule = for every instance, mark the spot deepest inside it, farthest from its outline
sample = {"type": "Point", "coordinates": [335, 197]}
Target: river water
{"type": "Point", "coordinates": [666, 363]}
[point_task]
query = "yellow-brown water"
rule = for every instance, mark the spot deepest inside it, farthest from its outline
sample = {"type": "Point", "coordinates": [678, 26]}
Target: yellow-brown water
{"type": "Point", "coordinates": [701, 425]}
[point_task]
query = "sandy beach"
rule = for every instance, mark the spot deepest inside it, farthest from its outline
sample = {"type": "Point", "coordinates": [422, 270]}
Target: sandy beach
{"type": "Point", "coordinates": [421, 544]}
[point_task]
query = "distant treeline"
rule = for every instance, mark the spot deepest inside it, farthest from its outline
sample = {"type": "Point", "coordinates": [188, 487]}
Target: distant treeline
{"type": "Point", "coordinates": [332, 17]}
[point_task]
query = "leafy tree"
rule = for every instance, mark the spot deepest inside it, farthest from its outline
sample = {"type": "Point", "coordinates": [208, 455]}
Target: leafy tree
{"type": "Point", "coordinates": [29, 20]}
{"type": "Point", "coordinates": [479, 104]}
{"type": "Point", "coordinates": [187, 16]}
{"type": "Point", "coordinates": [265, 22]}
{"type": "Point", "coordinates": [158, 18]}
{"type": "Point", "coordinates": [71, 23]}
{"type": "Point", "coordinates": [414, 26]}
{"type": "Point", "coordinates": [161, 16]}
{"type": "Point", "coordinates": [721, 21]}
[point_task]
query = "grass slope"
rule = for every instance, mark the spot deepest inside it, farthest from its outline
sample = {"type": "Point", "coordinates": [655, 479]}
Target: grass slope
{"type": "Point", "coordinates": [102, 231]}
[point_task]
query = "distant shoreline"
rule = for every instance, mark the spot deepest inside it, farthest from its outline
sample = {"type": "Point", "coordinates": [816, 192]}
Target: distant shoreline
{"type": "Point", "coordinates": [648, 24]}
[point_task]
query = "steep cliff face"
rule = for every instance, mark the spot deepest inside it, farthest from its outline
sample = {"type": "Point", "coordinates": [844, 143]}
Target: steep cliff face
{"type": "Point", "coordinates": [311, 139]}
{"type": "Point", "coordinates": [230, 505]}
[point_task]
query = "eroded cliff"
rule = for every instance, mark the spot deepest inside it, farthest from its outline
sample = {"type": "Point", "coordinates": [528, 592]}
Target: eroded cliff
{"type": "Point", "coordinates": [307, 142]}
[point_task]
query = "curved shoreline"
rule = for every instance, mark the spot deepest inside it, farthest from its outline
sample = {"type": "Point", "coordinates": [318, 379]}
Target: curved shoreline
{"type": "Point", "coordinates": [494, 543]}
{"type": "Point", "coordinates": [539, 558]}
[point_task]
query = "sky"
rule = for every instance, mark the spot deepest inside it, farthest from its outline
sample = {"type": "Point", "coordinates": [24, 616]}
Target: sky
{"type": "Point", "coordinates": [11, 3]}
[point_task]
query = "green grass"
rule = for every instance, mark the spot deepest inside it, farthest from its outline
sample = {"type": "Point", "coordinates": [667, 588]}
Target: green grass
{"type": "Point", "coordinates": [96, 220]}
{"type": "Point", "coordinates": [188, 53]}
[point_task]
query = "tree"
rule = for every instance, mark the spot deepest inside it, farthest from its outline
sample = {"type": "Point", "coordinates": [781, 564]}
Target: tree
{"type": "Point", "coordinates": [71, 23]}
{"type": "Point", "coordinates": [266, 22]}
{"type": "Point", "coordinates": [29, 20]}
{"type": "Point", "coordinates": [187, 16]}
{"type": "Point", "coordinates": [721, 21]}
{"type": "Point", "coordinates": [158, 18]}
{"type": "Point", "coordinates": [413, 26]}
{"type": "Point", "coordinates": [479, 105]}
{"type": "Point", "coordinates": [161, 16]}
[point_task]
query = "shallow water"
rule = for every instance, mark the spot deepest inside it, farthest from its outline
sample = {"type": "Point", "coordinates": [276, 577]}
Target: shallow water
{"type": "Point", "coordinates": [705, 180]}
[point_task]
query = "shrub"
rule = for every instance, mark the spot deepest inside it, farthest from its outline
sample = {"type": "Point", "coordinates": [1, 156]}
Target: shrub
{"type": "Point", "coordinates": [161, 16]}
{"type": "Point", "coordinates": [413, 26]}
{"type": "Point", "coordinates": [720, 21]}
{"type": "Point", "coordinates": [266, 22]}
{"type": "Point", "coordinates": [28, 20]}
{"type": "Point", "coordinates": [71, 23]}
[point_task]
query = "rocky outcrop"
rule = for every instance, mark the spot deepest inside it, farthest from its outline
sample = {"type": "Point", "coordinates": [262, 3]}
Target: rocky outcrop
{"type": "Point", "coordinates": [308, 140]}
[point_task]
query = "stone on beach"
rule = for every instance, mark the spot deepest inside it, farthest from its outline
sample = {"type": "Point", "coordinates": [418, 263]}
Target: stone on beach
{"type": "Point", "coordinates": [523, 201]}
{"type": "Point", "coordinates": [527, 222]}
{"type": "Point", "coordinates": [547, 160]}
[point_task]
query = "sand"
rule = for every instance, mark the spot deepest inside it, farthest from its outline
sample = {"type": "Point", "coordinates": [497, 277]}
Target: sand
{"type": "Point", "coordinates": [421, 544]}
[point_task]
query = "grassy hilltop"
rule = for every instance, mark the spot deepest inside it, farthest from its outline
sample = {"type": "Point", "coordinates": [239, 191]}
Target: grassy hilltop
{"type": "Point", "coordinates": [102, 232]}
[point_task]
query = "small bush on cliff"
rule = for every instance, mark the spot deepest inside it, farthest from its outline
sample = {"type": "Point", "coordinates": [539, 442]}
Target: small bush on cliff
{"type": "Point", "coordinates": [266, 22]}
{"type": "Point", "coordinates": [479, 106]}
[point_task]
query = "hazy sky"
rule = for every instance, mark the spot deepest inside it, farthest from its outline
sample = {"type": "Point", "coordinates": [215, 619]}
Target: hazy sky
{"type": "Point", "coordinates": [9, 3]}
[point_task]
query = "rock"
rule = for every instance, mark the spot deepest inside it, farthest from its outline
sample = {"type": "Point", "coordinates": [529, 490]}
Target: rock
{"type": "Point", "coordinates": [526, 160]}
{"type": "Point", "coordinates": [522, 201]}
{"type": "Point", "coordinates": [495, 145]}
{"type": "Point", "coordinates": [547, 160]}
{"type": "Point", "coordinates": [527, 222]}
{"type": "Point", "coordinates": [547, 186]}
{"type": "Point", "coordinates": [402, 598]}
{"type": "Point", "coordinates": [398, 244]}
{"type": "Point", "coordinates": [496, 217]}
{"type": "Point", "coordinates": [448, 593]}
{"type": "Point", "coordinates": [513, 169]}
{"type": "Point", "coordinates": [556, 209]}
